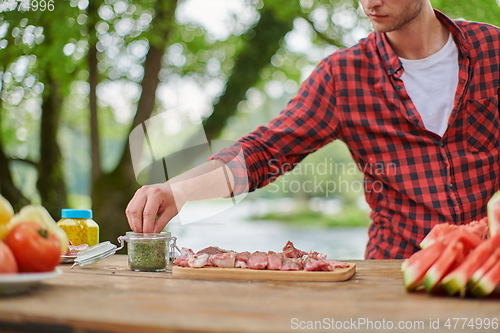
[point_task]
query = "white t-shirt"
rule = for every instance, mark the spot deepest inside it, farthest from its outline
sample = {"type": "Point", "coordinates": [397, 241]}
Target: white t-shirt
{"type": "Point", "coordinates": [431, 84]}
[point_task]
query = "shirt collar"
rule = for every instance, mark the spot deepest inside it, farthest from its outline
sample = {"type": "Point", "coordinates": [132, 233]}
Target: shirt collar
{"type": "Point", "coordinates": [391, 60]}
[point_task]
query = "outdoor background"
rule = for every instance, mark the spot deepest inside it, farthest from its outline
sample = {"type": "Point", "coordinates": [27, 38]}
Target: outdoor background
{"type": "Point", "coordinates": [77, 76]}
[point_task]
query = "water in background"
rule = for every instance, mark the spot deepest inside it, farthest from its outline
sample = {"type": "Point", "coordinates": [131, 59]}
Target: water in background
{"type": "Point", "coordinates": [231, 230]}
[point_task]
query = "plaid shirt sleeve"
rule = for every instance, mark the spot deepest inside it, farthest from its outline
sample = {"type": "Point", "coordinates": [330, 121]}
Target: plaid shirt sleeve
{"type": "Point", "coordinates": [305, 125]}
{"type": "Point", "coordinates": [414, 179]}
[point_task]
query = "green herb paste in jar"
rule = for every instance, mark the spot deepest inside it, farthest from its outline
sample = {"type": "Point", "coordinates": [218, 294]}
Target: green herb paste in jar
{"type": "Point", "coordinates": [147, 252]}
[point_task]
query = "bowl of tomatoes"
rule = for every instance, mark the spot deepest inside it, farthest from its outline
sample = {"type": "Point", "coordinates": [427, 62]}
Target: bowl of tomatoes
{"type": "Point", "coordinates": [29, 253]}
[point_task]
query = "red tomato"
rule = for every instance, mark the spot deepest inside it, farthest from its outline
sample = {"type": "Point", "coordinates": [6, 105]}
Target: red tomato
{"type": "Point", "coordinates": [35, 248]}
{"type": "Point", "coordinates": [8, 263]}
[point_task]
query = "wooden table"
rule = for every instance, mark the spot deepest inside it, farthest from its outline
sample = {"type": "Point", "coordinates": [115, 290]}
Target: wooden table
{"type": "Point", "coordinates": [108, 297]}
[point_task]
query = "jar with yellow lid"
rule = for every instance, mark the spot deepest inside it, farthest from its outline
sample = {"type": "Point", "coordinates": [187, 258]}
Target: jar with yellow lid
{"type": "Point", "coordinates": [79, 226]}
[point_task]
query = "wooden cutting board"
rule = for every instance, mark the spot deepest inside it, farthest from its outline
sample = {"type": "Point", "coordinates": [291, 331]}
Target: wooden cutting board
{"type": "Point", "coordinates": [339, 274]}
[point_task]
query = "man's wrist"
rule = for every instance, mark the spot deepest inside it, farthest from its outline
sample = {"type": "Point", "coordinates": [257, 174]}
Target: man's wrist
{"type": "Point", "coordinates": [179, 194]}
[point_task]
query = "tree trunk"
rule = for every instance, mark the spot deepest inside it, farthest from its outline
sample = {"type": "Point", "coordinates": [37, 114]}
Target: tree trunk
{"type": "Point", "coordinates": [263, 42]}
{"type": "Point", "coordinates": [95, 146]}
{"type": "Point", "coordinates": [51, 184]}
{"type": "Point", "coordinates": [112, 191]}
{"type": "Point", "coordinates": [7, 187]}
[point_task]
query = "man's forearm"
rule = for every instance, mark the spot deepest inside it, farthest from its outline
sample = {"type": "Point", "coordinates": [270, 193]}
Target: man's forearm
{"type": "Point", "coordinates": [212, 179]}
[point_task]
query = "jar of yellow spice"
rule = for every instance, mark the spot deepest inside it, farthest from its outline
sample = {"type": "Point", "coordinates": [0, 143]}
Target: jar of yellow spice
{"type": "Point", "coordinates": [79, 226]}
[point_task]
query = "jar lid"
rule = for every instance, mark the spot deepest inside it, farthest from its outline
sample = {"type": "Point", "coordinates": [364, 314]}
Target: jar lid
{"type": "Point", "coordinates": [130, 235]}
{"type": "Point", "coordinates": [76, 213]}
{"type": "Point", "coordinates": [95, 253]}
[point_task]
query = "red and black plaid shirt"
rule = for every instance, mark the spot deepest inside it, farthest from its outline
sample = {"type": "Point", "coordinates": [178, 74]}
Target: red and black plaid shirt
{"type": "Point", "coordinates": [357, 95]}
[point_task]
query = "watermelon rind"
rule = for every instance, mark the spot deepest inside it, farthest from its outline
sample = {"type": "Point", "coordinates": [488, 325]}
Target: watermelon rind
{"type": "Point", "coordinates": [456, 281]}
{"type": "Point", "coordinates": [442, 265]}
{"type": "Point", "coordinates": [415, 267]}
{"type": "Point", "coordinates": [488, 282]}
{"type": "Point", "coordinates": [404, 265]}
{"type": "Point", "coordinates": [431, 279]}
{"type": "Point", "coordinates": [436, 233]}
{"type": "Point", "coordinates": [485, 267]}
{"type": "Point", "coordinates": [410, 279]}
{"type": "Point", "coordinates": [483, 288]}
{"type": "Point", "coordinates": [450, 233]}
{"type": "Point", "coordinates": [415, 257]}
{"type": "Point", "coordinates": [493, 224]}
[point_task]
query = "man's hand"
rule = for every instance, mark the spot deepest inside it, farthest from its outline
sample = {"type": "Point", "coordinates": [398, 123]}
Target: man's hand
{"type": "Point", "coordinates": [152, 207]}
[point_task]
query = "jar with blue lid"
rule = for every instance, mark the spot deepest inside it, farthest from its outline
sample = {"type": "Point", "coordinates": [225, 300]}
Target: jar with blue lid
{"type": "Point", "coordinates": [79, 226]}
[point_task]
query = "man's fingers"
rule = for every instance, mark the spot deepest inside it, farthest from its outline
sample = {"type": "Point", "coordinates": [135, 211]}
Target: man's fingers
{"type": "Point", "coordinates": [135, 209]}
{"type": "Point", "coordinates": [165, 217]}
{"type": "Point", "coordinates": [149, 213]}
{"type": "Point", "coordinates": [148, 203]}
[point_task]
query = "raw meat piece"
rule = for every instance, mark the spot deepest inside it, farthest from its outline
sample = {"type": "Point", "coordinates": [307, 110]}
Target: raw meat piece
{"type": "Point", "coordinates": [292, 264]}
{"type": "Point", "coordinates": [74, 249]}
{"type": "Point", "coordinates": [337, 264]}
{"type": "Point", "coordinates": [182, 259]}
{"type": "Point", "coordinates": [311, 264]}
{"type": "Point", "coordinates": [224, 260]}
{"type": "Point", "coordinates": [274, 260]}
{"type": "Point", "coordinates": [212, 250]}
{"type": "Point", "coordinates": [316, 255]}
{"type": "Point", "coordinates": [257, 260]}
{"type": "Point", "coordinates": [289, 251]}
{"type": "Point", "coordinates": [291, 259]}
{"type": "Point", "coordinates": [243, 256]}
{"type": "Point", "coordinates": [240, 264]}
{"type": "Point", "coordinates": [242, 259]}
{"type": "Point", "coordinates": [197, 260]}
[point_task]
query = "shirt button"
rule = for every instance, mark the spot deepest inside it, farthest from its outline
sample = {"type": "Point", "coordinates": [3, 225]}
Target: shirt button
{"type": "Point", "coordinates": [452, 187]}
{"type": "Point", "coordinates": [442, 144]}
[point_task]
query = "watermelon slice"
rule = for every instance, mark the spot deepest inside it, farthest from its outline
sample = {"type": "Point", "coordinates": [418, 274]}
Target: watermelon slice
{"type": "Point", "coordinates": [494, 214]}
{"type": "Point", "coordinates": [479, 228]}
{"type": "Point", "coordinates": [488, 282]}
{"type": "Point", "coordinates": [441, 232]}
{"type": "Point", "coordinates": [443, 264]}
{"type": "Point", "coordinates": [437, 233]}
{"type": "Point", "coordinates": [488, 264]}
{"type": "Point", "coordinates": [417, 256]}
{"type": "Point", "coordinates": [415, 267]}
{"type": "Point", "coordinates": [469, 239]}
{"type": "Point", "coordinates": [456, 281]}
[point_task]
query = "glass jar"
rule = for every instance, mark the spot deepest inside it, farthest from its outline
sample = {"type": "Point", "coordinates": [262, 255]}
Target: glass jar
{"type": "Point", "coordinates": [79, 226]}
{"type": "Point", "coordinates": [147, 252]}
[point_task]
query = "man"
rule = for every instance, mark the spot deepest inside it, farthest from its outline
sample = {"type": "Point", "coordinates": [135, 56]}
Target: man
{"type": "Point", "coordinates": [419, 94]}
